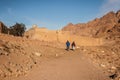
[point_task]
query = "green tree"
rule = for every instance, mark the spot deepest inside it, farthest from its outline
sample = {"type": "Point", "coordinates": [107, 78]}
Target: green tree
{"type": "Point", "coordinates": [17, 30]}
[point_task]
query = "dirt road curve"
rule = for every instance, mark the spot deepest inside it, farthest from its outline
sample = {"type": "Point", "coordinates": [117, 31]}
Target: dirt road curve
{"type": "Point", "coordinates": [72, 67]}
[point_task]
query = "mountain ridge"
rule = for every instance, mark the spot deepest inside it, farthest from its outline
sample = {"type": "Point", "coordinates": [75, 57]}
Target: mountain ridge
{"type": "Point", "coordinates": [97, 27]}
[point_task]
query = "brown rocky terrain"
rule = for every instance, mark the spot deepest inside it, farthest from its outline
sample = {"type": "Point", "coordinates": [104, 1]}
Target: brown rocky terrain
{"type": "Point", "coordinates": [19, 55]}
{"type": "Point", "coordinates": [95, 28]}
{"type": "Point", "coordinates": [107, 28]}
{"type": "Point", "coordinates": [26, 59]}
{"type": "Point", "coordinates": [41, 54]}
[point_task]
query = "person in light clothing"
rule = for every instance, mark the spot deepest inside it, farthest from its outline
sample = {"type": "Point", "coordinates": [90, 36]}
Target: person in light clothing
{"type": "Point", "coordinates": [73, 45]}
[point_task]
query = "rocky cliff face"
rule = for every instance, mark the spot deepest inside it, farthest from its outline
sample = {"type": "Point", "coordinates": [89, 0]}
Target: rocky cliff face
{"type": "Point", "coordinates": [3, 28]}
{"type": "Point", "coordinates": [98, 27]}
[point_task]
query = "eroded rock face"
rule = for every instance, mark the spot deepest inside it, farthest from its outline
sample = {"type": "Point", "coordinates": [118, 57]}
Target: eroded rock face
{"type": "Point", "coordinates": [1, 24]}
{"type": "Point", "coordinates": [97, 27]}
{"type": "Point", "coordinates": [3, 28]}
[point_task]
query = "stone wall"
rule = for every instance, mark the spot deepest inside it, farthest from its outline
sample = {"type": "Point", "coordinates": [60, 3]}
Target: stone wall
{"type": "Point", "coordinates": [44, 34]}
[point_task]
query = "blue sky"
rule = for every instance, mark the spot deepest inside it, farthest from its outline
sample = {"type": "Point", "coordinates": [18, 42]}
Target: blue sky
{"type": "Point", "coordinates": [54, 14]}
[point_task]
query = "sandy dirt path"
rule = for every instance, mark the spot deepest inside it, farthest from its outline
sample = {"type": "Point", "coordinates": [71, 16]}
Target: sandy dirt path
{"type": "Point", "coordinates": [71, 67]}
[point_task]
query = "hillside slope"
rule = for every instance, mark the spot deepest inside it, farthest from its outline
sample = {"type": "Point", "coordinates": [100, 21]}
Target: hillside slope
{"type": "Point", "coordinates": [95, 28]}
{"type": "Point", "coordinates": [24, 59]}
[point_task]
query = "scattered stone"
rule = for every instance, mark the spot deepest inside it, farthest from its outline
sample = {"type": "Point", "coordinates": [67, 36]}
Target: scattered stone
{"type": "Point", "coordinates": [24, 53]}
{"type": "Point", "coordinates": [113, 52]}
{"type": "Point", "coordinates": [27, 69]}
{"type": "Point", "coordinates": [56, 55]}
{"type": "Point", "coordinates": [8, 69]}
{"type": "Point", "coordinates": [6, 53]}
{"type": "Point", "coordinates": [11, 50]}
{"type": "Point", "coordinates": [102, 65]}
{"type": "Point", "coordinates": [84, 50]}
{"type": "Point", "coordinates": [102, 51]}
{"type": "Point", "coordinates": [113, 67]}
{"type": "Point", "coordinates": [113, 76]}
{"type": "Point", "coordinates": [77, 47]}
{"type": "Point", "coordinates": [17, 75]}
{"type": "Point", "coordinates": [38, 54]}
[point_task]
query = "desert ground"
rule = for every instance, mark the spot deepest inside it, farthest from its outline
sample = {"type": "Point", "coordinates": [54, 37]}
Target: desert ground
{"type": "Point", "coordinates": [25, 59]}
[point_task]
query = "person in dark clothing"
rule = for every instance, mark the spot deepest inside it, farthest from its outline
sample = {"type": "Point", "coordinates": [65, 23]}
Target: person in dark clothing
{"type": "Point", "coordinates": [67, 45]}
{"type": "Point", "coordinates": [73, 45]}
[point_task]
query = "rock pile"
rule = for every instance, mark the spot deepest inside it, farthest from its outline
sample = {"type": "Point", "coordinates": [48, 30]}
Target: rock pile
{"type": "Point", "coordinates": [14, 59]}
{"type": "Point", "coordinates": [107, 57]}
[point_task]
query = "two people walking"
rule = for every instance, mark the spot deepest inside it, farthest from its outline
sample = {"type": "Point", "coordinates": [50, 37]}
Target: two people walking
{"type": "Point", "coordinates": [73, 45]}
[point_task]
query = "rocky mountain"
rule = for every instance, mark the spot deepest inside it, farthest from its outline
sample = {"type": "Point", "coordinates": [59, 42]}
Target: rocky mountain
{"type": "Point", "coordinates": [98, 27]}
